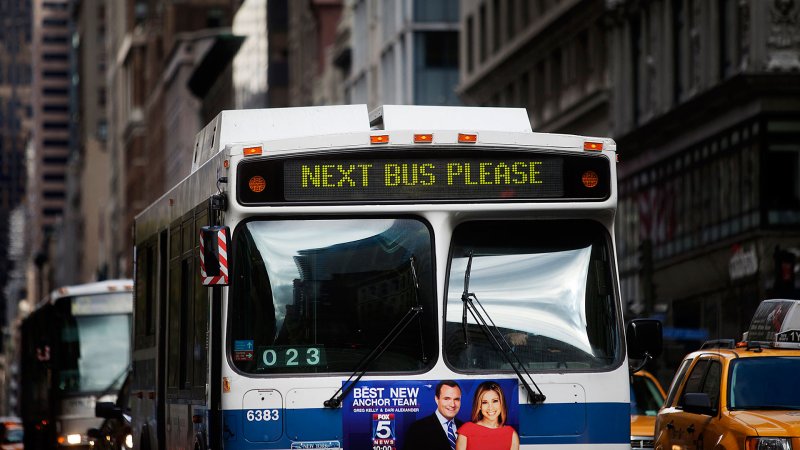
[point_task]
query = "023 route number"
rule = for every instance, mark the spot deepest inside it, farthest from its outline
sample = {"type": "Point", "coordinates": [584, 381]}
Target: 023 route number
{"type": "Point", "coordinates": [295, 356]}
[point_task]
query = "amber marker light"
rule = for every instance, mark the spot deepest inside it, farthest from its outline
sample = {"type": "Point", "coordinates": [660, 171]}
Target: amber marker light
{"type": "Point", "coordinates": [226, 164]}
{"type": "Point", "coordinates": [226, 384]}
{"type": "Point", "coordinates": [466, 138]}
{"type": "Point", "coordinates": [423, 138]}
{"type": "Point", "coordinates": [590, 178]}
{"type": "Point", "coordinates": [379, 139]}
{"type": "Point", "coordinates": [252, 151]}
{"type": "Point", "coordinates": [257, 183]}
{"type": "Point", "coordinates": [593, 146]}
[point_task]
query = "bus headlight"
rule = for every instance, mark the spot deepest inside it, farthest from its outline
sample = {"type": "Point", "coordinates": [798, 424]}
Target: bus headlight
{"type": "Point", "coordinates": [768, 443]}
{"type": "Point", "coordinates": [129, 441]}
{"type": "Point", "coordinates": [73, 439]}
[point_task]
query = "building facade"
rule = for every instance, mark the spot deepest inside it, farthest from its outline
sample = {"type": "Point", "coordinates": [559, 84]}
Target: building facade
{"type": "Point", "coordinates": [51, 131]}
{"type": "Point", "coordinates": [312, 34]}
{"type": "Point", "coordinates": [547, 56]}
{"type": "Point", "coordinates": [399, 52]}
{"type": "Point", "coordinates": [706, 114]}
{"type": "Point", "coordinates": [703, 101]}
{"type": "Point", "coordinates": [15, 122]}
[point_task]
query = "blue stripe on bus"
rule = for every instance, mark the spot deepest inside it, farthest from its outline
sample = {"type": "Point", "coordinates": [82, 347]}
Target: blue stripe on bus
{"type": "Point", "coordinates": [553, 424]}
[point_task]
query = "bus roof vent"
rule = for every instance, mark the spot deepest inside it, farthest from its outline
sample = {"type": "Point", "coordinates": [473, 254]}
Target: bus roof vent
{"type": "Point", "coordinates": [248, 125]}
{"type": "Point", "coordinates": [416, 117]}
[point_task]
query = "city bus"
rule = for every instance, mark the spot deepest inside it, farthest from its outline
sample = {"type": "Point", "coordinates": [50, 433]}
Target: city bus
{"type": "Point", "coordinates": [74, 352]}
{"type": "Point", "coordinates": [329, 277]}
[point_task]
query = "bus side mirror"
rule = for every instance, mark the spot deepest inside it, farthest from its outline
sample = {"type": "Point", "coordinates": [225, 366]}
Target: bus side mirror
{"type": "Point", "coordinates": [214, 243]}
{"type": "Point", "coordinates": [107, 410]}
{"type": "Point", "coordinates": [643, 337]}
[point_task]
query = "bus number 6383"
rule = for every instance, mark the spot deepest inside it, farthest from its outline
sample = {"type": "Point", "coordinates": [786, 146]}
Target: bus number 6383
{"type": "Point", "coordinates": [262, 415]}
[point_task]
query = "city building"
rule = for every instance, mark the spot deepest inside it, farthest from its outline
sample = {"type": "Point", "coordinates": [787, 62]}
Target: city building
{"type": "Point", "coordinates": [706, 113]}
{"type": "Point", "coordinates": [313, 79]}
{"type": "Point", "coordinates": [158, 48]}
{"type": "Point", "coordinates": [547, 56]}
{"type": "Point", "coordinates": [51, 132]}
{"type": "Point", "coordinates": [261, 66]}
{"type": "Point", "coordinates": [89, 181]}
{"type": "Point", "coordinates": [15, 124]}
{"type": "Point", "coordinates": [398, 52]}
{"type": "Point", "coordinates": [703, 99]}
{"type": "Point", "coordinates": [125, 92]}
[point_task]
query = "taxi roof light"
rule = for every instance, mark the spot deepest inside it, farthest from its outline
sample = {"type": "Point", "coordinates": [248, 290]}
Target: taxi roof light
{"type": "Point", "coordinates": [775, 324]}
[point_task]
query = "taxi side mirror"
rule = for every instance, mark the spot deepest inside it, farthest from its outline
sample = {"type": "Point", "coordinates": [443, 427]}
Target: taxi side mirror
{"type": "Point", "coordinates": [697, 403]}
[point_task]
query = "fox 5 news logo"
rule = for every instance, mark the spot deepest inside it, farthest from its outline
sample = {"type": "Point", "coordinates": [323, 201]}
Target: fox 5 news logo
{"type": "Point", "coordinates": [383, 437]}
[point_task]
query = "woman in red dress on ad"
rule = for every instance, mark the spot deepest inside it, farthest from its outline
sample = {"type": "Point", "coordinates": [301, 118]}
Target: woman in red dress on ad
{"type": "Point", "coordinates": [488, 431]}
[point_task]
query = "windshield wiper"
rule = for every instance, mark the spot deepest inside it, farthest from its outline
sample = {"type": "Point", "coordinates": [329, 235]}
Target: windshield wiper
{"type": "Point", "coordinates": [416, 302]}
{"type": "Point", "coordinates": [336, 399]}
{"type": "Point", "coordinates": [494, 335]}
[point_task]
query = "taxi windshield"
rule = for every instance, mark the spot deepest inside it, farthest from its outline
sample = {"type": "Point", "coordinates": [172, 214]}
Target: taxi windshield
{"type": "Point", "coordinates": [764, 383]}
{"type": "Point", "coordinates": [646, 398]}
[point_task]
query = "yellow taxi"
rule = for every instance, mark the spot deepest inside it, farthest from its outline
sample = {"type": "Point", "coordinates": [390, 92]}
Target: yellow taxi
{"type": "Point", "coordinates": [647, 396]}
{"type": "Point", "coordinates": [739, 396]}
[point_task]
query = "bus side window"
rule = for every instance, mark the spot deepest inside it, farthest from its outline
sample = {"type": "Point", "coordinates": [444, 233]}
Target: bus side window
{"type": "Point", "coordinates": [173, 309]}
{"type": "Point", "coordinates": [200, 303]}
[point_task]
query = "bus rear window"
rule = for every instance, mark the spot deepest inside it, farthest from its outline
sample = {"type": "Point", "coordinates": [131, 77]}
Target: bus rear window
{"type": "Point", "coordinates": [317, 296]}
{"type": "Point", "coordinates": [548, 288]}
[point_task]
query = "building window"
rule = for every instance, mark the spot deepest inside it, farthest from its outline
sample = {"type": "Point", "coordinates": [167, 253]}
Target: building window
{"type": "Point", "coordinates": [482, 35]}
{"type": "Point", "coordinates": [60, 143]}
{"type": "Point", "coordinates": [55, 74]}
{"type": "Point", "coordinates": [511, 20]}
{"type": "Point", "coordinates": [56, 126]}
{"type": "Point", "coordinates": [438, 11]}
{"type": "Point", "coordinates": [55, 22]}
{"type": "Point", "coordinates": [436, 67]}
{"type": "Point", "coordinates": [469, 44]}
{"type": "Point", "coordinates": [497, 25]}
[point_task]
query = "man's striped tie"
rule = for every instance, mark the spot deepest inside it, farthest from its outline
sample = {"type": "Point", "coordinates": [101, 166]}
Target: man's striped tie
{"type": "Point", "coordinates": [451, 434]}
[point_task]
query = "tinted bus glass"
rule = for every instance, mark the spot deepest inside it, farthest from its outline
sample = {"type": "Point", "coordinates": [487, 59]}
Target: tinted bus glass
{"type": "Point", "coordinates": [319, 295]}
{"type": "Point", "coordinates": [547, 286]}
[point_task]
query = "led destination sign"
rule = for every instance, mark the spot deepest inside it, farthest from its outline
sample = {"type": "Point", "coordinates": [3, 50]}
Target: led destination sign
{"type": "Point", "coordinates": [502, 176]}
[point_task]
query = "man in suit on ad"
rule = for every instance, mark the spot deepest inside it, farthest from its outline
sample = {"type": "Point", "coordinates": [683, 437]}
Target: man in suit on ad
{"type": "Point", "coordinates": [438, 430]}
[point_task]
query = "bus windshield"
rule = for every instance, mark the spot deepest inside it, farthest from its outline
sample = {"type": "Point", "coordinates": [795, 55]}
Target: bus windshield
{"type": "Point", "coordinates": [546, 285]}
{"type": "Point", "coordinates": [96, 342]}
{"type": "Point", "coordinates": [319, 295]}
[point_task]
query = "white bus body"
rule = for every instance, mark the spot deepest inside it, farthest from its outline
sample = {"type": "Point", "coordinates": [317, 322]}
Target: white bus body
{"type": "Point", "coordinates": [343, 225]}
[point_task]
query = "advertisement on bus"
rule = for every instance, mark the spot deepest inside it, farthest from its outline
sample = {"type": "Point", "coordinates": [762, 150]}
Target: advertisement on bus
{"type": "Point", "coordinates": [409, 414]}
